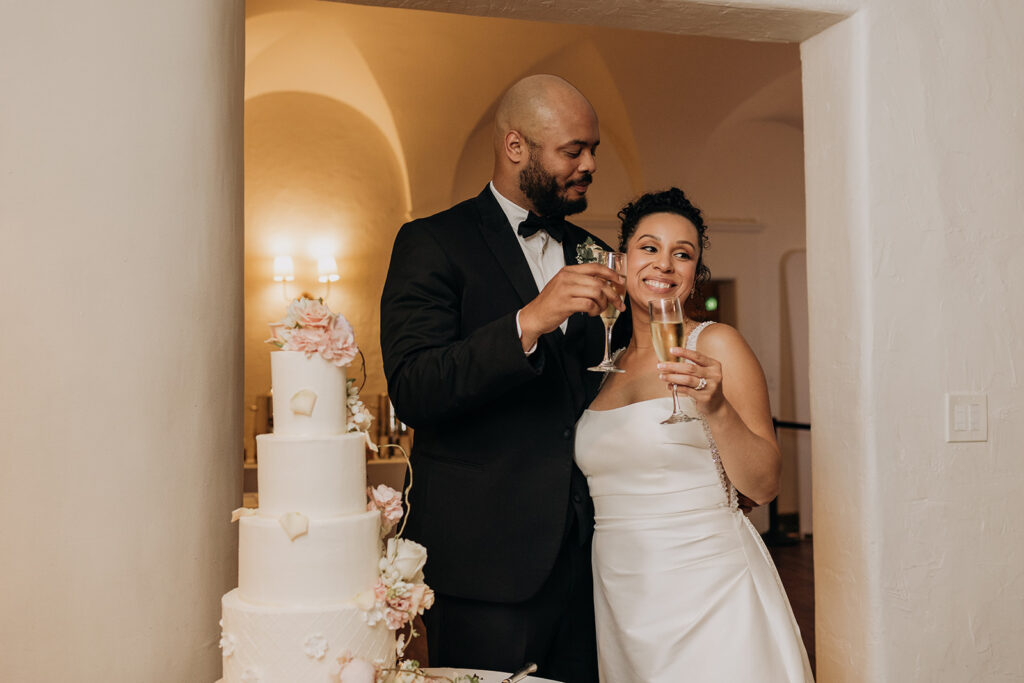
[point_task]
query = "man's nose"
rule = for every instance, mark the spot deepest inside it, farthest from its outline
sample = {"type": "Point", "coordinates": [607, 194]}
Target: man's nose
{"type": "Point", "coordinates": [588, 162]}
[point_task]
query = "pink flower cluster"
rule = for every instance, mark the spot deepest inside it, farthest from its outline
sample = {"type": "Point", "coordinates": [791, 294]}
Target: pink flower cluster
{"type": "Point", "coordinates": [389, 502]}
{"type": "Point", "coordinates": [310, 327]}
{"type": "Point", "coordinates": [402, 601]}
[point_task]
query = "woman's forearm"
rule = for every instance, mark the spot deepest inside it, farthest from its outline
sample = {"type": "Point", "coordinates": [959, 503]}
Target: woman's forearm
{"type": "Point", "coordinates": [752, 463]}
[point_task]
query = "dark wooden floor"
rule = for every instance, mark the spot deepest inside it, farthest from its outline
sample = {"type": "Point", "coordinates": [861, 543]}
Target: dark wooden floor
{"type": "Point", "coordinates": [796, 569]}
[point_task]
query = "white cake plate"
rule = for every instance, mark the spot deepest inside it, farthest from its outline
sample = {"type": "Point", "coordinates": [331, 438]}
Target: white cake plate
{"type": "Point", "coordinates": [485, 676]}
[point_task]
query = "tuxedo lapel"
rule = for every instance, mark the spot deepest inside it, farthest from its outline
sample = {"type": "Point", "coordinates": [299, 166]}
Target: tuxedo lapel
{"type": "Point", "coordinates": [503, 244]}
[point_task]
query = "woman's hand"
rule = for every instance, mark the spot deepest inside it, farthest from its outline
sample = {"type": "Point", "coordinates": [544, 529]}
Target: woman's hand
{"type": "Point", "coordinates": [733, 398]}
{"type": "Point", "coordinates": [700, 379]}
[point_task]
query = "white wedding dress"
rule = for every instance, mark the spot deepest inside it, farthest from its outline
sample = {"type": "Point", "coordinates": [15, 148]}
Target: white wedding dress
{"type": "Point", "coordinates": [684, 588]}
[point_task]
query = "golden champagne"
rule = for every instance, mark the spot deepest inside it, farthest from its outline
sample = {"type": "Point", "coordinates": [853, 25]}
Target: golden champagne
{"type": "Point", "coordinates": [617, 262]}
{"type": "Point", "coordinates": [666, 335]}
{"type": "Point", "coordinates": [610, 313]}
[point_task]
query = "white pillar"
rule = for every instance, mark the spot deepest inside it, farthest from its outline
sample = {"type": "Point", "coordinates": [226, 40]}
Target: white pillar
{"type": "Point", "coordinates": [120, 351]}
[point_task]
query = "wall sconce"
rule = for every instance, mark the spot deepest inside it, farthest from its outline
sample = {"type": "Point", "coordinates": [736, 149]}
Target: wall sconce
{"type": "Point", "coordinates": [284, 269]}
{"type": "Point", "coordinates": [327, 269]}
{"type": "Point", "coordinates": [284, 272]}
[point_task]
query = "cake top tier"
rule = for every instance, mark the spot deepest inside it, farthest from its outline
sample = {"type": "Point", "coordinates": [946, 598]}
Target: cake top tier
{"type": "Point", "coordinates": [309, 395]}
{"type": "Point", "coordinates": [308, 375]}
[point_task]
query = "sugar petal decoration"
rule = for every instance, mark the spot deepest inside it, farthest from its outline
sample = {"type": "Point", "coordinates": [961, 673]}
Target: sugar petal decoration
{"type": "Point", "coordinates": [315, 646]}
{"type": "Point", "coordinates": [356, 670]}
{"type": "Point", "coordinates": [227, 643]}
{"type": "Point", "coordinates": [295, 524]}
{"type": "Point", "coordinates": [238, 513]}
{"type": "Point", "coordinates": [370, 443]}
{"type": "Point", "coordinates": [303, 401]}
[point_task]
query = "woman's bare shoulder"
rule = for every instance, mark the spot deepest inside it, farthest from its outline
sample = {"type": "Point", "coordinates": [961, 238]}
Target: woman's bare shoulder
{"type": "Point", "coordinates": [725, 344]}
{"type": "Point", "coordinates": [720, 336]}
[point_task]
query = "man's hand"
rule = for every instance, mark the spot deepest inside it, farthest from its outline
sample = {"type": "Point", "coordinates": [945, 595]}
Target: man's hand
{"type": "Point", "coordinates": [745, 504]}
{"type": "Point", "coordinates": [585, 288]}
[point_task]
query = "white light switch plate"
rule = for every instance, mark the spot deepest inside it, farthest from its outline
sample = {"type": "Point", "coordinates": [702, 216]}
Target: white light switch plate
{"type": "Point", "coordinates": [966, 417]}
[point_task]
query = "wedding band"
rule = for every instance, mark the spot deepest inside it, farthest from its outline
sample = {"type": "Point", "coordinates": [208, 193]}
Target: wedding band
{"type": "Point", "coordinates": [701, 384]}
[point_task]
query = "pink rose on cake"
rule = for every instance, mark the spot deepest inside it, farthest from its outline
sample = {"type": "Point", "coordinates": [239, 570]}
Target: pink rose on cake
{"type": "Point", "coordinates": [403, 602]}
{"type": "Point", "coordinates": [389, 502]}
{"type": "Point", "coordinates": [308, 340]}
{"type": "Point", "coordinates": [310, 327]}
{"type": "Point", "coordinates": [276, 330]}
{"type": "Point", "coordinates": [309, 313]}
{"type": "Point", "coordinates": [400, 594]}
{"type": "Point", "coordinates": [420, 598]}
{"type": "Point", "coordinates": [396, 617]}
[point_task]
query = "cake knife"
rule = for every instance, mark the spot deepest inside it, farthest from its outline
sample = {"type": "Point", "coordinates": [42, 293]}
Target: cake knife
{"type": "Point", "coordinates": [521, 674]}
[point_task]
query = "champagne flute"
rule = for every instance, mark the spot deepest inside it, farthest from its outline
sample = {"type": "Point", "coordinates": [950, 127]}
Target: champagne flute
{"type": "Point", "coordinates": [617, 262]}
{"type": "Point", "coordinates": [667, 325]}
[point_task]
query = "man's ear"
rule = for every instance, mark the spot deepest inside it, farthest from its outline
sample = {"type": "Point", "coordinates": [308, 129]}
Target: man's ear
{"type": "Point", "coordinates": [515, 147]}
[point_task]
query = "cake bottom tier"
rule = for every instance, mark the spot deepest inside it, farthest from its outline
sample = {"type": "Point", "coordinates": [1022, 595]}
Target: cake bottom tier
{"type": "Point", "coordinates": [263, 644]}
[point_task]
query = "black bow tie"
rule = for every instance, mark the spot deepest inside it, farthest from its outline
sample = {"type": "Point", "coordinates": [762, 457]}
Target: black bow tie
{"type": "Point", "coordinates": [552, 225]}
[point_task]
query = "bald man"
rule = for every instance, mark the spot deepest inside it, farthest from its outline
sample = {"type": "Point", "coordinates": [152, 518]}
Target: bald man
{"type": "Point", "coordinates": [488, 324]}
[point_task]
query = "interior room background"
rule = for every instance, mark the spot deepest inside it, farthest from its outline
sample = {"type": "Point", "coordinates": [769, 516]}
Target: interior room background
{"type": "Point", "coordinates": [360, 118]}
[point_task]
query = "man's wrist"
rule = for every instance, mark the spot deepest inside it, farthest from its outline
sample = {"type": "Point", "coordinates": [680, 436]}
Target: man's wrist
{"type": "Point", "coordinates": [519, 332]}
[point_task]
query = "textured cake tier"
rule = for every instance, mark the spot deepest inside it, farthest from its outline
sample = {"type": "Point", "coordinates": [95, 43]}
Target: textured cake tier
{"type": "Point", "coordinates": [319, 476]}
{"type": "Point", "coordinates": [292, 372]}
{"type": "Point", "coordinates": [295, 644]}
{"type": "Point", "coordinates": [332, 563]}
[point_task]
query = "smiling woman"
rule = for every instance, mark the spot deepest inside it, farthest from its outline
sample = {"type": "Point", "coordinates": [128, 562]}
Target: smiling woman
{"type": "Point", "coordinates": [666, 493]}
{"type": "Point", "coordinates": [672, 207]}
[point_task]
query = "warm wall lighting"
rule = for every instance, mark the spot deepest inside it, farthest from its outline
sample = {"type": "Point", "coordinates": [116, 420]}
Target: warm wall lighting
{"type": "Point", "coordinates": [328, 269]}
{"type": "Point", "coordinates": [284, 269]}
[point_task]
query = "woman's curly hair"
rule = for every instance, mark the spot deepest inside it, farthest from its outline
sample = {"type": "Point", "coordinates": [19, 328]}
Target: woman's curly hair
{"type": "Point", "coordinates": [672, 200]}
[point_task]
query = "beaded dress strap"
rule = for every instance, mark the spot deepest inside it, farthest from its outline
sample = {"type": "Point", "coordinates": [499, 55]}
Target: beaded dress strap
{"type": "Point", "coordinates": [691, 341]}
{"type": "Point", "coordinates": [730, 490]}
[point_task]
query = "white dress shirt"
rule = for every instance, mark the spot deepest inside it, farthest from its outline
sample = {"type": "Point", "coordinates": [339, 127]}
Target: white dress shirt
{"type": "Point", "coordinates": [543, 254]}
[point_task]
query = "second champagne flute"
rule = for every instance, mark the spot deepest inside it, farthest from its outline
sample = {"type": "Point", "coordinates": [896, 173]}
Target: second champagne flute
{"type": "Point", "coordinates": [667, 326]}
{"type": "Point", "coordinates": [617, 262]}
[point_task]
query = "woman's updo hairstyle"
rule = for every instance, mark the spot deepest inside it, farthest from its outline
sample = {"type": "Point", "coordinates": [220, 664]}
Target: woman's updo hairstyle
{"type": "Point", "coordinates": [672, 200]}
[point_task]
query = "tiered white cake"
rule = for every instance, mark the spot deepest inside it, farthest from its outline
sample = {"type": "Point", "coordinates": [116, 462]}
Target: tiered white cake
{"type": "Point", "coordinates": [311, 547]}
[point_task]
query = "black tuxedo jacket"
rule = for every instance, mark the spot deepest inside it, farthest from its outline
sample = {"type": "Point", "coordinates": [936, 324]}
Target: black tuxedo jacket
{"type": "Point", "coordinates": [495, 488]}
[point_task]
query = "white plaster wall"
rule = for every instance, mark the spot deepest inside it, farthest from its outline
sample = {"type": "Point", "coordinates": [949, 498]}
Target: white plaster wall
{"type": "Point", "coordinates": [121, 220]}
{"type": "Point", "coordinates": [914, 139]}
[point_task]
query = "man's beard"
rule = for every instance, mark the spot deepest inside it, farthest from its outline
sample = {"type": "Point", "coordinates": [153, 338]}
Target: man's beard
{"type": "Point", "coordinates": [542, 189]}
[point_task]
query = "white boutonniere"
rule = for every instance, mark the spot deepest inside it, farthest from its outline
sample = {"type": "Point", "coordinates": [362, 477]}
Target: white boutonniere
{"type": "Point", "coordinates": [587, 251]}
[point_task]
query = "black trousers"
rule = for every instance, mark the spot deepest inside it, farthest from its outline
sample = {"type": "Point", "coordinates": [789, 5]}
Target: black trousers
{"type": "Point", "coordinates": [554, 628]}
